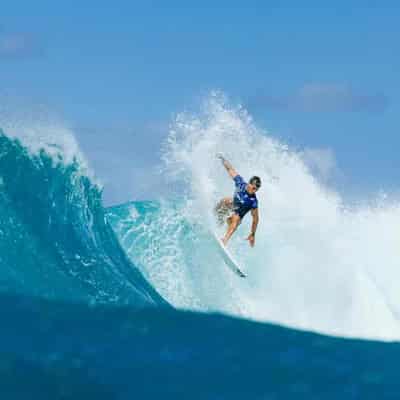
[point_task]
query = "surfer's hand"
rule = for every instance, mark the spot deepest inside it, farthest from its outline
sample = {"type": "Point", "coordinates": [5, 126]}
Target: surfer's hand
{"type": "Point", "coordinates": [220, 157]}
{"type": "Point", "coordinates": [251, 238]}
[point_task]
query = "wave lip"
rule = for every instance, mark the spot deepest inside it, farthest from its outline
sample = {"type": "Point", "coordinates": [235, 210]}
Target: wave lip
{"type": "Point", "coordinates": [55, 239]}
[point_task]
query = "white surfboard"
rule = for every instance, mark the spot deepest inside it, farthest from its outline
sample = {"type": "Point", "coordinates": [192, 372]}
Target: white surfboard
{"type": "Point", "coordinates": [230, 262]}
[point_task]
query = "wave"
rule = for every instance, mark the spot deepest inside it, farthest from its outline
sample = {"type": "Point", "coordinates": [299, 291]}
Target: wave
{"type": "Point", "coordinates": [55, 239]}
{"type": "Point", "coordinates": [319, 263]}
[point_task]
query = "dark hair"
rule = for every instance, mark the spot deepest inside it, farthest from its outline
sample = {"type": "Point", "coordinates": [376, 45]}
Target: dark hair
{"type": "Point", "coordinates": [255, 180]}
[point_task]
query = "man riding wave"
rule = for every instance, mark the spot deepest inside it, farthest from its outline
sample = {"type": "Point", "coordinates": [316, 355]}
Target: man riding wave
{"type": "Point", "coordinates": [243, 201]}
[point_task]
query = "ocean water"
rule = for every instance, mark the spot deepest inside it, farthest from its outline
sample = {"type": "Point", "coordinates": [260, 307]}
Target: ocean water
{"type": "Point", "coordinates": [133, 300]}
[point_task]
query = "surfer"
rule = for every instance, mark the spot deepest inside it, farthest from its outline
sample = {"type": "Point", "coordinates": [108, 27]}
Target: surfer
{"type": "Point", "coordinates": [244, 200]}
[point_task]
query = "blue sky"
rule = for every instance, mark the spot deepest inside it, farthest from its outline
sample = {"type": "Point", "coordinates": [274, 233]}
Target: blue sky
{"type": "Point", "coordinates": [316, 75]}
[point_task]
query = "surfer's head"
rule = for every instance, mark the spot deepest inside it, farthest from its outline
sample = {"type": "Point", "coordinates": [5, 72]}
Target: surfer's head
{"type": "Point", "coordinates": [254, 184]}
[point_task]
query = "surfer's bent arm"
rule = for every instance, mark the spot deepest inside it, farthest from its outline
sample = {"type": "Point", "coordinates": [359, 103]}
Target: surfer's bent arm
{"type": "Point", "coordinates": [231, 171]}
{"type": "Point", "coordinates": [254, 214]}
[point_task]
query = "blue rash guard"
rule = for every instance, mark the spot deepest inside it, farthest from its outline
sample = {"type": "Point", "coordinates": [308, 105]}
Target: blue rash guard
{"type": "Point", "coordinates": [243, 202]}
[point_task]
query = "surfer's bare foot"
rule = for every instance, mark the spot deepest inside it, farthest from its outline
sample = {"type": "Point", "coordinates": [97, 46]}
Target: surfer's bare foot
{"type": "Point", "coordinates": [223, 241]}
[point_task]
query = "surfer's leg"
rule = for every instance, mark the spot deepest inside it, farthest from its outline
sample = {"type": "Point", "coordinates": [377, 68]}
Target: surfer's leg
{"type": "Point", "coordinates": [234, 223]}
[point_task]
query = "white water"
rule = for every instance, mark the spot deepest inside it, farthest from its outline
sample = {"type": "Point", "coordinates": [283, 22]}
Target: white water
{"type": "Point", "coordinates": [38, 129]}
{"type": "Point", "coordinates": [318, 264]}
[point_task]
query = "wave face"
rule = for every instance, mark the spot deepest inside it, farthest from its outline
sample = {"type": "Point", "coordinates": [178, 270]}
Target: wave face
{"type": "Point", "coordinates": [318, 263]}
{"type": "Point", "coordinates": [55, 240]}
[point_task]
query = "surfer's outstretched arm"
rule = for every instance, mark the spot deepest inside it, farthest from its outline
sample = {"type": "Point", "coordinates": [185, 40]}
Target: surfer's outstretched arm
{"type": "Point", "coordinates": [227, 165]}
{"type": "Point", "coordinates": [252, 237]}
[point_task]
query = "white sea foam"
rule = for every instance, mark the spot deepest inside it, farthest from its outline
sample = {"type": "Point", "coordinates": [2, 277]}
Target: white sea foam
{"type": "Point", "coordinates": [318, 263]}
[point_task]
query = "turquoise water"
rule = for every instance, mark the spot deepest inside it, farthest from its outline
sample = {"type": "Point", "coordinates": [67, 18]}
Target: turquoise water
{"type": "Point", "coordinates": [55, 240]}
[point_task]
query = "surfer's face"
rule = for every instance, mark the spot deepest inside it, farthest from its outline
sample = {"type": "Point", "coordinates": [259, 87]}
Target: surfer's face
{"type": "Point", "coordinates": [251, 188]}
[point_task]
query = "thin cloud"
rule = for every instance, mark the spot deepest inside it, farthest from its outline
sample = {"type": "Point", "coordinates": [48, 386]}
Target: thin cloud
{"type": "Point", "coordinates": [323, 97]}
{"type": "Point", "coordinates": [18, 45]}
